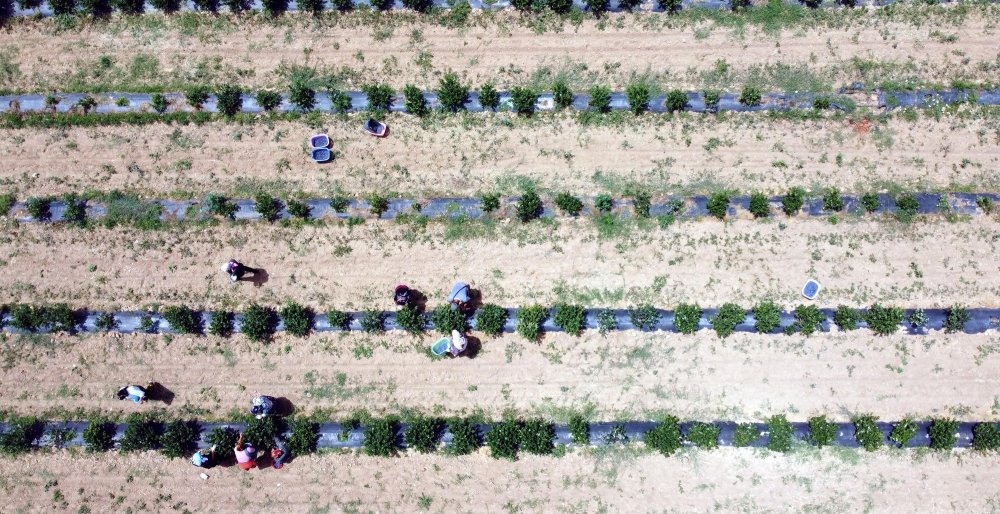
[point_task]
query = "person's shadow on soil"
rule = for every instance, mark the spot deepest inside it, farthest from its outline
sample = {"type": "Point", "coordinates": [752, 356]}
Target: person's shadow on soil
{"type": "Point", "coordinates": [283, 407]}
{"type": "Point", "coordinates": [418, 300]}
{"type": "Point", "coordinates": [258, 277]}
{"type": "Point", "coordinates": [472, 347]}
{"type": "Point", "coordinates": [156, 392]}
{"type": "Point", "coordinates": [475, 301]}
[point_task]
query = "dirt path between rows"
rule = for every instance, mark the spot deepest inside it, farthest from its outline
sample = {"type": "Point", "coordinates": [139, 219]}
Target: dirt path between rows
{"type": "Point", "coordinates": [618, 481]}
{"type": "Point", "coordinates": [938, 49]}
{"type": "Point", "coordinates": [858, 262]}
{"type": "Point", "coordinates": [465, 155]}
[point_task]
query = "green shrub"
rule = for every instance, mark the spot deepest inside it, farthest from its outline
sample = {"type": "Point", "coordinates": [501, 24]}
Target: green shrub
{"type": "Point", "coordinates": [666, 437]}
{"type": "Point", "coordinates": [338, 319]}
{"type": "Point", "coordinates": [267, 206]}
{"type": "Point", "coordinates": [222, 324]}
{"type": "Point", "coordinates": [270, 100]}
{"type": "Point", "coordinates": [870, 202]}
{"type": "Point", "coordinates": [423, 434]}
{"type": "Point", "coordinates": [704, 435]}
{"type": "Point", "coordinates": [301, 94]}
{"type": "Point", "coordinates": [579, 430]}
{"type": "Point", "coordinates": [411, 320]}
{"type": "Point", "coordinates": [300, 210]}
{"type": "Point", "coordinates": [490, 319]}
{"type": "Point", "coordinates": [637, 95]}
{"type": "Point", "coordinates": [489, 98]}
{"type": "Point", "coordinates": [599, 99]}
{"type": "Point", "coordinates": [918, 319]}
{"type": "Point", "coordinates": [129, 7]}
{"type": "Point", "coordinates": [904, 431]}
{"type": "Point", "coordinates": [687, 318]}
{"type": "Point", "coordinates": [86, 103]}
{"type": "Point", "coordinates": [569, 204]}
{"type": "Point", "coordinates": [63, 7]}
{"type": "Point", "coordinates": [183, 319]}
{"type": "Point", "coordinates": [490, 201]}
{"type": "Point", "coordinates": [984, 202]}
{"type": "Point", "coordinates": [503, 439]}
{"type": "Point", "coordinates": [529, 321]}
{"type": "Point", "coordinates": [446, 319]}
{"type": "Point", "coordinates": [711, 96]}
{"type": "Point", "coordinates": [598, 7]}
{"type": "Point", "coordinates": [530, 206]}
{"type": "Point", "coordinates": [884, 320]}
{"type": "Point", "coordinates": [60, 318]}
{"type": "Point", "coordinates": [562, 94]}
{"type": "Point", "coordinates": [559, 6]}
{"type": "Point", "coordinates": [728, 317]}
{"type": "Point", "coordinates": [820, 102]}
{"type": "Point", "coordinates": [22, 431]}
{"type": "Point", "coordinates": [607, 321]}
{"type": "Point", "coordinates": [767, 317]}
{"type": "Point", "coordinates": [414, 101]}
{"type": "Point", "coordinates": [142, 432]}
{"type": "Point", "coordinates": [99, 435]}
{"type": "Point", "coordinates": [822, 432]}
{"type": "Point", "coordinates": [7, 201]}
{"type": "Point", "coordinates": [129, 210]}
{"type": "Point", "coordinates": [382, 5]}
{"type": "Point", "coordinates": [745, 434]}
{"type": "Point", "coordinates": [298, 320]}
{"type": "Point", "coordinates": [523, 100]}
{"type": "Point", "coordinates": [464, 439]}
{"type": "Point", "coordinates": [377, 204]}
{"type": "Point", "coordinates": [452, 94]}
{"type": "Point", "coordinates": [372, 321]}
{"type": "Point", "coordinates": [943, 433]}
{"type": "Point", "coordinates": [40, 208]}
{"type": "Point", "coordinates": [180, 438]}
{"type": "Point", "coordinates": [220, 206]}
{"type": "Point", "coordinates": [340, 103]}
{"type": "Point", "coordinates": [570, 318]}
{"type": "Point", "coordinates": [779, 434]}
{"type": "Point", "coordinates": [379, 96]}
{"type": "Point", "coordinates": [339, 203]}
{"type": "Point", "coordinates": [808, 319]}
{"type": "Point", "coordinates": [418, 5]}
{"type": "Point", "coordinates": [304, 436]}
{"type": "Point", "coordinates": [676, 100]}
{"type": "Point", "coordinates": [867, 433]}
{"type": "Point", "coordinates": [832, 201]}
{"type": "Point", "coordinates": [260, 433]}
{"type": "Point", "coordinates": [957, 317]}
{"type": "Point", "coordinates": [258, 322]}
{"type": "Point", "coordinates": [985, 437]}
{"type": "Point", "coordinates": [906, 207]}
{"type": "Point", "coordinates": [229, 99]}
{"type": "Point", "coordinates": [604, 203]}
{"type": "Point", "coordinates": [274, 8]}
{"type": "Point", "coordinates": [105, 321]}
{"type": "Point", "coordinates": [536, 436]}
{"type": "Point", "coordinates": [159, 103]}
{"type": "Point", "coordinates": [669, 6]}
{"type": "Point", "coordinates": [644, 317]}
{"type": "Point", "coordinates": [196, 96]}
{"type": "Point", "coordinates": [224, 439]}
{"type": "Point", "coordinates": [76, 210]}
{"type": "Point", "coordinates": [760, 207]}
{"type": "Point", "coordinates": [751, 95]}
{"type": "Point", "coordinates": [718, 204]}
{"type": "Point", "coordinates": [641, 203]}
{"type": "Point", "coordinates": [792, 202]}
{"type": "Point", "coordinates": [847, 318]}
{"type": "Point", "coordinates": [27, 317]}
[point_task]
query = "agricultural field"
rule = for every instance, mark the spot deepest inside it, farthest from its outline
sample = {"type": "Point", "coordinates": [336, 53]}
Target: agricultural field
{"type": "Point", "coordinates": [832, 404]}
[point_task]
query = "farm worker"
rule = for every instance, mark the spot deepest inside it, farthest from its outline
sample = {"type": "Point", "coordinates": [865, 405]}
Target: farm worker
{"type": "Point", "coordinates": [246, 454]}
{"type": "Point", "coordinates": [458, 343]}
{"type": "Point", "coordinates": [204, 458]}
{"type": "Point", "coordinates": [280, 453]}
{"type": "Point", "coordinates": [235, 269]}
{"type": "Point", "coordinates": [459, 296]}
{"type": "Point", "coordinates": [261, 406]}
{"type": "Point", "coordinates": [133, 392]}
{"type": "Point", "coordinates": [401, 295]}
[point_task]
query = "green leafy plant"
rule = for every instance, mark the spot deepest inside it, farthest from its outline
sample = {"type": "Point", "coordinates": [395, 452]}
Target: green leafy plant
{"type": "Point", "coordinates": [142, 432]}
{"type": "Point", "coordinates": [452, 94]}
{"type": "Point", "coordinates": [745, 435]}
{"type": "Point", "coordinates": [943, 432]}
{"type": "Point", "coordinates": [867, 433]}
{"type": "Point", "coordinates": [22, 431]}
{"type": "Point", "coordinates": [687, 318]}
{"type": "Point", "coordinates": [569, 204]}
{"type": "Point", "coordinates": [377, 203]}
{"type": "Point", "coordinates": [644, 317]}
{"type": "Point", "coordinates": [63, 7]}
{"type": "Point", "coordinates": [536, 436]}
{"type": "Point", "coordinates": [640, 203]}
{"type": "Point", "coordinates": [985, 203]}
{"type": "Point", "coordinates": [159, 103]}
{"type": "Point", "coordinates": [411, 320]}
{"type": "Point", "coordinates": [27, 317]}
{"type": "Point", "coordinates": [918, 319]}
{"type": "Point", "coordinates": [464, 439]}
{"type": "Point", "coordinates": [490, 319]}
{"type": "Point", "coordinates": [760, 207]}
{"type": "Point", "coordinates": [730, 315]}
{"type": "Point", "coordinates": [86, 103]}
{"type": "Point", "coordinates": [704, 435]}
{"type": "Point", "coordinates": [7, 201]}
{"type": "Point", "coordinates": [562, 95]}
{"type": "Point", "coordinates": [229, 99]}
{"type": "Point", "coordinates": [224, 439]}
{"type": "Point", "coordinates": [179, 438]}
{"type": "Point", "coordinates": [220, 206]}
{"type": "Point", "coordinates": [569, 317]}
{"type": "Point", "coordinates": [718, 204]}
{"type": "Point", "coordinates": [956, 318]}
{"type": "Point", "coordinates": [669, 6]}
{"type": "Point", "coordinates": [379, 97]}
{"type": "Point", "coordinates": [76, 210]}
{"type": "Point", "coordinates": [820, 102]}
{"type": "Point", "coordinates": [340, 103]}
{"type": "Point", "coordinates": [222, 324]}
{"type": "Point", "coordinates": [270, 100]}
{"type": "Point", "coordinates": [523, 100]}
{"type": "Point", "coordinates": [99, 435]}
{"type": "Point", "coordinates": [607, 321]}
{"type": "Point", "coordinates": [529, 321]}
{"type": "Point", "coordinates": [260, 433]}
{"type": "Point", "coordinates": [637, 95]}
{"type": "Point", "coordinates": [489, 98]}
{"type": "Point", "coordinates": [314, 7]}
{"type": "Point", "coordinates": [298, 320]}
{"type": "Point", "coordinates": [105, 321]}
{"type": "Point", "coordinates": [599, 99]}
{"type": "Point", "coordinates": [906, 207]}
{"type": "Point", "coordinates": [822, 432]}
{"type": "Point", "coordinates": [666, 437]}
{"type": "Point", "coordinates": [301, 94]}
{"type": "Point", "coordinates": [792, 202]}
{"type": "Point", "coordinates": [833, 201]}
{"type": "Point", "coordinates": [129, 7]}
{"type": "Point", "coordinates": [598, 7]}
{"type": "Point", "coordinates": [808, 319]}
{"type": "Point", "coordinates": [884, 320]}
{"type": "Point", "coordinates": [579, 430]}
{"type": "Point", "coordinates": [985, 437]}
{"type": "Point", "coordinates": [183, 319]}
{"type": "Point", "coordinates": [304, 436]}
{"type": "Point", "coordinates": [40, 208]}
{"type": "Point", "coordinates": [446, 319]}
{"type": "Point", "coordinates": [339, 203]}
{"type": "Point", "coordinates": [603, 203]}
{"type": "Point", "coordinates": [338, 319]}
{"type": "Point", "coordinates": [372, 321]}
{"type": "Point", "coordinates": [267, 206]}
{"type": "Point", "coordinates": [258, 322]}
{"type": "Point", "coordinates": [418, 5]}
{"type": "Point", "coordinates": [503, 439]}
{"type": "Point", "coordinates": [779, 434]}
{"type": "Point", "coordinates": [904, 431]}
{"type": "Point", "coordinates": [490, 202]}
{"type": "Point", "coordinates": [676, 100]}
{"type": "Point", "coordinates": [414, 101]}
{"type": "Point", "coordinates": [847, 318]}
{"type": "Point", "coordinates": [750, 96]}
{"type": "Point", "coordinates": [559, 6]}
{"type": "Point", "coordinates": [711, 96]}
{"type": "Point", "coordinates": [870, 202]}
{"type": "Point", "coordinates": [300, 210]}
{"type": "Point", "coordinates": [530, 206]}
{"type": "Point", "coordinates": [60, 318]}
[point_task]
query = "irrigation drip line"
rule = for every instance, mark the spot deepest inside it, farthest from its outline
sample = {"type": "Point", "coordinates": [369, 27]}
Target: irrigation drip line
{"type": "Point", "coordinates": [452, 208]}
{"type": "Point", "coordinates": [773, 101]}
{"type": "Point", "coordinates": [336, 435]}
{"type": "Point", "coordinates": [186, 5]}
{"type": "Point", "coordinates": [133, 322]}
